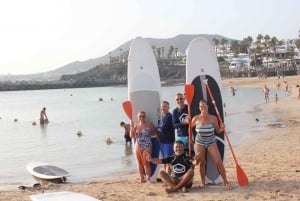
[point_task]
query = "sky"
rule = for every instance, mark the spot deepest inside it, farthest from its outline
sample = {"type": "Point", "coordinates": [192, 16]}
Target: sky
{"type": "Point", "coordinates": [43, 35]}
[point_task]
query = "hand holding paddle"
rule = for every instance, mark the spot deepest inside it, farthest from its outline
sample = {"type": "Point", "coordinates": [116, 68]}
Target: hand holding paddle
{"type": "Point", "coordinates": [189, 94]}
{"type": "Point", "coordinates": [241, 175]}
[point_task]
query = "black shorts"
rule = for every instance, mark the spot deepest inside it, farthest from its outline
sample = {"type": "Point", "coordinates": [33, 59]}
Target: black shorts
{"type": "Point", "coordinates": [127, 138]}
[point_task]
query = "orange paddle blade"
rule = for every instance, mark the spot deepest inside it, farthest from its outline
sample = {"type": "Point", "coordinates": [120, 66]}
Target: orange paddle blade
{"type": "Point", "coordinates": [189, 93]}
{"type": "Point", "coordinates": [128, 109]}
{"type": "Point", "coordinates": [241, 176]}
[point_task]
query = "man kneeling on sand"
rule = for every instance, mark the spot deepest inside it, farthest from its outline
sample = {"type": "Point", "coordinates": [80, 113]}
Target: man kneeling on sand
{"type": "Point", "coordinates": [182, 167]}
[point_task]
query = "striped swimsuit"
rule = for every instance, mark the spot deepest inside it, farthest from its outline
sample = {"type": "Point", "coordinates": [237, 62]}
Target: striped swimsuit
{"type": "Point", "coordinates": [205, 134]}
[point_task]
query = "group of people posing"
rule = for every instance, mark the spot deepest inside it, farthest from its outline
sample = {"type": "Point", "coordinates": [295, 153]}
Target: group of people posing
{"type": "Point", "coordinates": [179, 166]}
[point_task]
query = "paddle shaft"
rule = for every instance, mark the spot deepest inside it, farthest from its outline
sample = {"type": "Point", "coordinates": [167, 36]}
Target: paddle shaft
{"type": "Point", "coordinates": [220, 119]}
{"type": "Point", "coordinates": [241, 175]}
{"type": "Point", "coordinates": [189, 94]}
{"type": "Point", "coordinates": [190, 132]}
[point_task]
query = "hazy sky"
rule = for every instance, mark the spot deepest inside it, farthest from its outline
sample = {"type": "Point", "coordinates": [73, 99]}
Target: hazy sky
{"type": "Point", "coordinates": [42, 35]}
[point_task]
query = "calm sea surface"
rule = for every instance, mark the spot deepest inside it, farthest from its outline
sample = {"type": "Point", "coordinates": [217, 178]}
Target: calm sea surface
{"type": "Point", "coordinates": [89, 156]}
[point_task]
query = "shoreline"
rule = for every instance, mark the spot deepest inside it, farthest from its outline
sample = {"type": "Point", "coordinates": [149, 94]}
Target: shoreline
{"type": "Point", "coordinates": [270, 160]}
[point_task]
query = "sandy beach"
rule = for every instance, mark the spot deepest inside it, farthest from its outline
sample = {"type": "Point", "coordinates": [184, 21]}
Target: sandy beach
{"type": "Point", "coordinates": [271, 162]}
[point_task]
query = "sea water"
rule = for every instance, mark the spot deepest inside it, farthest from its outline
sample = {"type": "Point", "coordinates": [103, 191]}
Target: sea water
{"type": "Point", "coordinates": [96, 113]}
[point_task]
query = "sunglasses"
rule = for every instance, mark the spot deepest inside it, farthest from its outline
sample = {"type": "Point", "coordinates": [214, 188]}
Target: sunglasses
{"type": "Point", "coordinates": [177, 99]}
{"type": "Point", "coordinates": [142, 116]}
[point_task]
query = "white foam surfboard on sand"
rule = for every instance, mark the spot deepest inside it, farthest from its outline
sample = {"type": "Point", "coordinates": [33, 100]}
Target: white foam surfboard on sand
{"type": "Point", "coordinates": [144, 89]}
{"type": "Point", "coordinates": [46, 171]}
{"type": "Point", "coordinates": [62, 196]}
{"type": "Point", "coordinates": [202, 65]}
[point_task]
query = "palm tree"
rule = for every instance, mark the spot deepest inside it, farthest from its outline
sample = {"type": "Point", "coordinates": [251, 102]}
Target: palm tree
{"type": "Point", "coordinates": [266, 44]}
{"type": "Point", "coordinates": [120, 59]}
{"type": "Point", "coordinates": [258, 41]}
{"type": "Point", "coordinates": [216, 42]}
{"type": "Point", "coordinates": [257, 49]}
{"type": "Point", "coordinates": [223, 43]}
{"type": "Point", "coordinates": [176, 51]}
{"type": "Point", "coordinates": [154, 50]}
{"type": "Point", "coordinates": [273, 44]}
{"type": "Point", "coordinates": [259, 38]}
{"type": "Point", "coordinates": [162, 51]}
{"type": "Point", "coordinates": [125, 56]}
{"type": "Point", "coordinates": [158, 50]}
{"type": "Point", "coordinates": [171, 50]}
{"type": "Point", "coordinates": [110, 59]}
{"type": "Point", "coordinates": [247, 42]}
{"type": "Point", "coordinates": [235, 47]}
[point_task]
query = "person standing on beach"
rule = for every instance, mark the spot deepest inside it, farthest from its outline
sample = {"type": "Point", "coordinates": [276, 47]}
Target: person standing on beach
{"type": "Point", "coordinates": [278, 85]}
{"type": "Point", "coordinates": [266, 92]}
{"type": "Point", "coordinates": [286, 87]}
{"type": "Point", "coordinates": [276, 98]}
{"type": "Point", "coordinates": [181, 120]}
{"type": "Point", "coordinates": [166, 133]}
{"type": "Point", "coordinates": [126, 132]}
{"type": "Point", "coordinates": [43, 116]}
{"type": "Point", "coordinates": [182, 167]}
{"type": "Point", "coordinates": [142, 132]}
{"type": "Point", "coordinates": [205, 126]}
{"type": "Point", "coordinates": [233, 90]}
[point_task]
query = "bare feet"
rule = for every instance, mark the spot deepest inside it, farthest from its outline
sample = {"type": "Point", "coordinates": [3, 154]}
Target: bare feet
{"type": "Point", "coordinates": [202, 185]}
{"type": "Point", "coordinates": [143, 180]}
{"type": "Point", "coordinates": [184, 189]}
{"type": "Point", "coordinates": [227, 185]}
{"type": "Point", "coordinates": [170, 190]}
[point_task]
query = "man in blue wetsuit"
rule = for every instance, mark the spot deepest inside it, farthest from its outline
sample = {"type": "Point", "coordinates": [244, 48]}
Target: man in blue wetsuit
{"type": "Point", "coordinates": [181, 121]}
{"type": "Point", "coordinates": [182, 166]}
{"type": "Point", "coordinates": [166, 133]}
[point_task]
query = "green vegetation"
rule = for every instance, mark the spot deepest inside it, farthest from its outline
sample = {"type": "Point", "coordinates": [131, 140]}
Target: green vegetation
{"type": "Point", "coordinates": [171, 64]}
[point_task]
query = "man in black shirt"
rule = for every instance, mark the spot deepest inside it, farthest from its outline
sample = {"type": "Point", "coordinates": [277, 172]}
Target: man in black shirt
{"type": "Point", "coordinates": [182, 166]}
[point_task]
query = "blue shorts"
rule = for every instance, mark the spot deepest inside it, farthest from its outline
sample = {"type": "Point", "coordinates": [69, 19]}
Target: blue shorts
{"type": "Point", "coordinates": [166, 150]}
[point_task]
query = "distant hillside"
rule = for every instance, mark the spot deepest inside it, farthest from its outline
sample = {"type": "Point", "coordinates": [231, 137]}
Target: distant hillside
{"type": "Point", "coordinates": [181, 42]}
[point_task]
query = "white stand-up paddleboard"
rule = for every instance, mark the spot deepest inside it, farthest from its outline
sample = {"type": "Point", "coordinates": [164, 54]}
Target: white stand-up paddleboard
{"type": "Point", "coordinates": [202, 65]}
{"type": "Point", "coordinates": [144, 89]}
{"type": "Point", "coordinates": [62, 196]}
{"type": "Point", "coordinates": [44, 171]}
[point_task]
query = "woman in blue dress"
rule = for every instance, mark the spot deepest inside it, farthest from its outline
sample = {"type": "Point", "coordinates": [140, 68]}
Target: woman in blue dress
{"type": "Point", "coordinates": [142, 132]}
